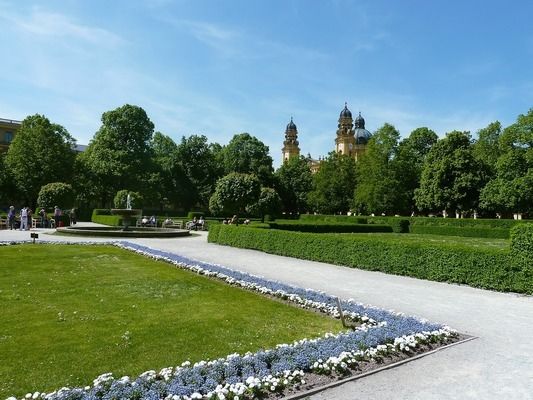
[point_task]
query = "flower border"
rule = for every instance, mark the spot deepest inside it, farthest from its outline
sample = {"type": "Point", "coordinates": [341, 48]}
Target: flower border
{"type": "Point", "coordinates": [380, 334]}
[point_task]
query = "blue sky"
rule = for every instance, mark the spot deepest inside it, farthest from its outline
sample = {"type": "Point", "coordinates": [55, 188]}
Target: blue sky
{"type": "Point", "coordinates": [223, 67]}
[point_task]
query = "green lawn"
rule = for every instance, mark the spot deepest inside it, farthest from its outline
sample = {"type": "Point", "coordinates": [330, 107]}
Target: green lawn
{"type": "Point", "coordinates": [70, 313]}
{"type": "Point", "coordinates": [459, 241]}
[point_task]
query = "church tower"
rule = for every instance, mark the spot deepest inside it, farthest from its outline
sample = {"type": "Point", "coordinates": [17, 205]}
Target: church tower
{"type": "Point", "coordinates": [361, 135]}
{"type": "Point", "coordinates": [290, 144]}
{"type": "Point", "coordinates": [345, 141]}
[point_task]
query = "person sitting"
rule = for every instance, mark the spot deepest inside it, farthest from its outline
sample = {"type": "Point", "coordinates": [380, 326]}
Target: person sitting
{"type": "Point", "coordinates": [144, 221]}
{"type": "Point", "coordinates": [234, 220]}
{"type": "Point", "coordinates": [246, 221]}
{"type": "Point", "coordinates": [225, 221]}
{"type": "Point", "coordinates": [168, 222]}
{"type": "Point", "coordinates": [201, 223]}
{"type": "Point", "coordinates": [153, 221]}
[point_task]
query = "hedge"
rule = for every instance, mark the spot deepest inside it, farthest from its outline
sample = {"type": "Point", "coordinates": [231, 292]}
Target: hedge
{"type": "Point", "coordinates": [481, 232]}
{"type": "Point", "coordinates": [329, 228]}
{"type": "Point", "coordinates": [487, 268]}
{"type": "Point", "coordinates": [350, 219]}
{"type": "Point", "coordinates": [522, 246]}
{"type": "Point", "coordinates": [111, 220]}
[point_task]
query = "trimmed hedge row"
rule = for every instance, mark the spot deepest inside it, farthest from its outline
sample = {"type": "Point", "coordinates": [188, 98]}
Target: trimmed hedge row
{"type": "Point", "coordinates": [481, 232]}
{"type": "Point", "coordinates": [485, 268]}
{"type": "Point", "coordinates": [111, 220]}
{"type": "Point", "coordinates": [329, 228]}
{"type": "Point", "coordinates": [347, 219]}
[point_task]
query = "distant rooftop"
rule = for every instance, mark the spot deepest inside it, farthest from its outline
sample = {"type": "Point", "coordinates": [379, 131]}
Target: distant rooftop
{"type": "Point", "coordinates": [10, 121]}
{"type": "Point", "coordinates": [80, 148]}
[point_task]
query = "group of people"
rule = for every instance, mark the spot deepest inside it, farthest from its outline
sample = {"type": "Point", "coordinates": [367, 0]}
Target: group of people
{"type": "Point", "coordinates": [234, 221]}
{"type": "Point", "coordinates": [25, 218]}
{"type": "Point", "coordinates": [196, 223]}
{"type": "Point", "coordinates": [152, 221]}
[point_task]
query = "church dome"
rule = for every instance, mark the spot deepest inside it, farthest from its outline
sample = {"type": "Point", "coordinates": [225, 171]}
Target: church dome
{"type": "Point", "coordinates": [345, 113]}
{"type": "Point", "coordinates": [359, 122]}
{"type": "Point", "coordinates": [291, 126]}
{"type": "Point", "coordinates": [362, 136]}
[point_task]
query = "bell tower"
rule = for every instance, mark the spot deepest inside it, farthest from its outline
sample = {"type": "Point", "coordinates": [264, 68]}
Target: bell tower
{"type": "Point", "coordinates": [345, 140]}
{"type": "Point", "coordinates": [290, 144]}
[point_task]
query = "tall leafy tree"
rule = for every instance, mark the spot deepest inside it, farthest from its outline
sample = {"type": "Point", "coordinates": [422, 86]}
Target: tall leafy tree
{"type": "Point", "coordinates": [268, 203]}
{"type": "Point", "coordinates": [294, 181]}
{"type": "Point", "coordinates": [248, 155]}
{"type": "Point", "coordinates": [487, 146]}
{"type": "Point", "coordinates": [199, 163]}
{"type": "Point", "coordinates": [378, 187]}
{"type": "Point", "coordinates": [409, 162]}
{"type": "Point", "coordinates": [452, 177]}
{"type": "Point", "coordinates": [41, 152]}
{"type": "Point", "coordinates": [119, 156]}
{"type": "Point", "coordinates": [333, 185]}
{"type": "Point", "coordinates": [511, 189]}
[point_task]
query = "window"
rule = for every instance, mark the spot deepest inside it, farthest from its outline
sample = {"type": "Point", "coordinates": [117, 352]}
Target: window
{"type": "Point", "coordinates": [8, 137]}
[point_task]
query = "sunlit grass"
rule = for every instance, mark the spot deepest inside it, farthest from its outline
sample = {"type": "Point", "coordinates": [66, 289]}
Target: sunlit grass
{"type": "Point", "coordinates": [70, 313]}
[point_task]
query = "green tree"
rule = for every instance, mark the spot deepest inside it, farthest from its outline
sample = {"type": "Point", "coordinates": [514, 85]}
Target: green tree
{"type": "Point", "coordinates": [452, 177]}
{"type": "Point", "coordinates": [56, 193]}
{"type": "Point", "coordinates": [293, 182]}
{"type": "Point", "coordinates": [248, 155]}
{"type": "Point", "coordinates": [333, 185]}
{"type": "Point", "coordinates": [511, 189]}
{"type": "Point", "coordinates": [120, 154]}
{"type": "Point", "coordinates": [269, 203]}
{"type": "Point", "coordinates": [409, 162]}
{"type": "Point", "coordinates": [486, 148]}
{"type": "Point", "coordinates": [199, 163]}
{"type": "Point", "coordinates": [378, 187]}
{"type": "Point", "coordinates": [171, 182]}
{"type": "Point", "coordinates": [41, 152]}
{"type": "Point", "coordinates": [234, 193]}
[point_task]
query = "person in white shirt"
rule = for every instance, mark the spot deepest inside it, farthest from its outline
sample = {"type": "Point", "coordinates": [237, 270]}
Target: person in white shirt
{"type": "Point", "coordinates": [24, 219]}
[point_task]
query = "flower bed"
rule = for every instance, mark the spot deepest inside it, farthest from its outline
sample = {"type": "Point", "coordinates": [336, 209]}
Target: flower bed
{"type": "Point", "coordinates": [379, 334]}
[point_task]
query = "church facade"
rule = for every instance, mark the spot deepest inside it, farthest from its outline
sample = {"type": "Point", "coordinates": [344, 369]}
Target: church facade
{"type": "Point", "coordinates": [351, 139]}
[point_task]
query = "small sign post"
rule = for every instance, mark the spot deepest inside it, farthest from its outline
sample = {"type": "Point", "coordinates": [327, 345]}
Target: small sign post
{"type": "Point", "coordinates": [34, 236]}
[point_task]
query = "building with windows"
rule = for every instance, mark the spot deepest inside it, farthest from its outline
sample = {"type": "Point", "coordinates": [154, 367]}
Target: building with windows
{"type": "Point", "coordinates": [8, 130]}
{"type": "Point", "coordinates": [352, 139]}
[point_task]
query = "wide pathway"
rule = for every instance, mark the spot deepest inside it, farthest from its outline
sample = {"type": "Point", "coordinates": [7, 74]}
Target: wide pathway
{"type": "Point", "coordinates": [497, 365]}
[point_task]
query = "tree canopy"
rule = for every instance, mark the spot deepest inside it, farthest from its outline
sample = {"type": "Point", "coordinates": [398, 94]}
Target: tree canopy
{"type": "Point", "coordinates": [293, 182]}
{"type": "Point", "coordinates": [451, 177]}
{"type": "Point", "coordinates": [119, 156]}
{"type": "Point", "coordinates": [248, 155]}
{"type": "Point", "coordinates": [234, 193]}
{"type": "Point", "coordinates": [41, 152]}
{"type": "Point", "coordinates": [333, 185]}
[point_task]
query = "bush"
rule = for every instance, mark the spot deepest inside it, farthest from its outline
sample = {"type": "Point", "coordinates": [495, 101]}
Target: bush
{"type": "Point", "coordinates": [329, 228]}
{"type": "Point", "coordinates": [197, 214]}
{"type": "Point", "coordinates": [481, 232]}
{"type": "Point", "coordinates": [522, 247]}
{"type": "Point", "coordinates": [479, 267]}
{"type": "Point", "coordinates": [350, 219]}
{"type": "Point", "coordinates": [112, 220]}
{"type": "Point", "coordinates": [57, 193]}
{"type": "Point", "coordinates": [399, 225]}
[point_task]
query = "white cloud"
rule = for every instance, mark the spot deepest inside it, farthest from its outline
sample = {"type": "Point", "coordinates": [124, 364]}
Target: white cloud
{"type": "Point", "coordinates": [48, 24]}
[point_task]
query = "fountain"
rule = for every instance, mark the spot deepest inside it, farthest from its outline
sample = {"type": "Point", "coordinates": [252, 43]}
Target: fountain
{"type": "Point", "coordinates": [127, 230]}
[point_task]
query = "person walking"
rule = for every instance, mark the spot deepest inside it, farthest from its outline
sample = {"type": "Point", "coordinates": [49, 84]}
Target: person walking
{"type": "Point", "coordinates": [11, 218]}
{"type": "Point", "coordinates": [44, 222]}
{"type": "Point", "coordinates": [57, 216]}
{"type": "Point", "coordinates": [73, 216]}
{"type": "Point", "coordinates": [24, 219]}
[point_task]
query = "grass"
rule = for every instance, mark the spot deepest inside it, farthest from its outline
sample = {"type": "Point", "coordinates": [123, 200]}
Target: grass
{"type": "Point", "coordinates": [459, 241]}
{"type": "Point", "coordinates": [71, 313]}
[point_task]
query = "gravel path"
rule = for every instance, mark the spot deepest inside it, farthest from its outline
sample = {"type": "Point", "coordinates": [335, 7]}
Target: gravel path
{"type": "Point", "coordinates": [498, 365]}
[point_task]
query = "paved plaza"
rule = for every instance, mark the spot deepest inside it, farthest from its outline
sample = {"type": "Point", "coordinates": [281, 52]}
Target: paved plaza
{"type": "Point", "coordinates": [497, 365]}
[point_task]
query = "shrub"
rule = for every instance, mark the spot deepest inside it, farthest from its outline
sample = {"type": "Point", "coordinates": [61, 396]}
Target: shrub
{"type": "Point", "coordinates": [522, 246]}
{"type": "Point", "coordinates": [351, 219]}
{"type": "Point", "coordinates": [479, 267]}
{"type": "Point", "coordinates": [112, 220]}
{"type": "Point", "coordinates": [328, 227]}
{"type": "Point", "coordinates": [400, 225]}
{"type": "Point", "coordinates": [197, 214]}
{"type": "Point", "coordinates": [481, 232]}
{"type": "Point", "coordinates": [56, 193]}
